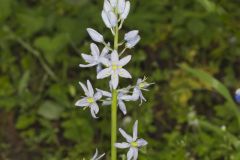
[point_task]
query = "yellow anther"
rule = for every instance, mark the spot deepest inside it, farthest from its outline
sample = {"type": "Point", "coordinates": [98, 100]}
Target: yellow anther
{"type": "Point", "coordinates": [142, 85]}
{"type": "Point", "coordinates": [134, 144]}
{"type": "Point", "coordinates": [114, 67]}
{"type": "Point", "coordinates": [90, 100]}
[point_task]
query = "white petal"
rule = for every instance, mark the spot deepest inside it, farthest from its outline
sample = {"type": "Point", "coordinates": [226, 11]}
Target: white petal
{"type": "Point", "coordinates": [135, 153]}
{"type": "Point", "coordinates": [105, 93]}
{"type": "Point", "coordinates": [94, 109]}
{"type": "Point", "coordinates": [107, 6]}
{"type": "Point", "coordinates": [125, 135]}
{"type": "Point", "coordinates": [97, 37]}
{"type": "Point", "coordinates": [126, 11]}
{"type": "Point", "coordinates": [104, 52]}
{"type": "Point", "coordinates": [84, 89]}
{"type": "Point", "coordinates": [125, 60]}
{"type": "Point", "coordinates": [132, 43]}
{"type": "Point", "coordinates": [95, 155]}
{"type": "Point", "coordinates": [99, 67]}
{"type": "Point", "coordinates": [94, 50]}
{"type": "Point", "coordinates": [113, 3]}
{"type": "Point", "coordinates": [128, 98]}
{"type": "Point", "coordinates": [88, 58]}
{"type": "Point", "coordinates": [136, 93]}
{"type": "Point", "coordinates": [100, 156]}
{"type": "Point", "coordinates": [141, 142]}
{"type": "Point", "coordinates": [87, 65]}
{"type": "Point", "coordinates": [124, 73]}
{"type": "Point", "coordinates": [112, 18]}
{"type": "Point", "coordinates": [135, 130]}
{"type": "Point", "coordinates": [107, 103]}
{"type": "Point", "coordinates": [114, 56]}
{"type": "Point", "coordinates": [130, 153]}
{"type": "Point", "coordinates": [131, 35]}
{"type": "Point", "coordinates": [114, 80]}
{"type": "Point", "coordinates": [106, 19]}
{"type": "Point", "coordinates": [122, 145]}
{"type": "Point", "coordinates": [104, 73]}
{"type": "Point", "coordinates": [97, 96]}
{"type": "Point", "coordinates": [105, 61]}
{"type": "Point", "coordinates": [122, 107]}
{"type": "Point", "coordinates": [121, 6]}
{"type": "Point", "coordinates": [82, 103]}
{"type": "Point", "coordinates": [90, 88]}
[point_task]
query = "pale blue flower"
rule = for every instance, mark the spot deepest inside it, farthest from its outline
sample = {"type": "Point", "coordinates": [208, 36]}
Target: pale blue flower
{"type": "Point", "coordinates": [137, 90]}
{"type": "Point", "coordinates": [95, 58]}
{"type": "Point", "coordinates": [133, 143]}
{"type": "Point", "coordinates": [114, 68]}
{"type": "Point", "coordinates": [95, 157]}
{"type": "Point", "coordinates": [90, 99]}
{"type": "Point", "coordinates": [97, 37]}
{"type": "Point", "coordinates": [237, 95]}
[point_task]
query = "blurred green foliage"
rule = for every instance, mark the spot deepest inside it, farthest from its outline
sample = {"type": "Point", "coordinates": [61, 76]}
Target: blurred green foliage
{"type": "Point", "coordinates": [189, 114]}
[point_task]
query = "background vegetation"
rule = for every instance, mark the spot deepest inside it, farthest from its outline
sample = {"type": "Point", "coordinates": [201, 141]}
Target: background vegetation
{"type": "Point", "coordinates": [189, 115]}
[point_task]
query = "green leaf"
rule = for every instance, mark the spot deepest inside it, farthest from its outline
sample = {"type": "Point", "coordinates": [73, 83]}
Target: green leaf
{"type": "Point", "coordinates": [23, 82]}
{"type": "Point", "coordinates": [50, 110]}
{"type": "Point", "coordinates": [25, 121]}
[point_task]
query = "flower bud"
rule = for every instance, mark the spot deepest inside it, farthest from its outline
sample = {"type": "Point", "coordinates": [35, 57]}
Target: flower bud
{"type": "Point", "coordinates": [131, 35]}
{"type": "Point", "coordinates": [97, 37]}
{"type": "Point", "coordinates": [105, 19]}
{"type": "Point", "coordinates": [109, 18]}
{"type": "Point", "coordinates": [121, 6]}
{"type": "Point", "coordinates": [112, 18]}
{"type": "Point", "coordinates": [113, 3]}
{"type": "Point", "coordinates": [107, 6]}
{"type": "Point", "coordinates": [133, 42]}
{"type": "Point", "coordinates": [124, 15]}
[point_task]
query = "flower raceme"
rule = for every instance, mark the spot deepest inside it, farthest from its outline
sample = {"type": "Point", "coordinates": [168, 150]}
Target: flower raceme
{"type": "Point", "coordinates": [114, 68]}
{"type": "Point", "coordinates": [90, 99]}
{"type": "Point", "coordinates": [111, 65]}
{"type": "Point", "coordinates": [133, 143]}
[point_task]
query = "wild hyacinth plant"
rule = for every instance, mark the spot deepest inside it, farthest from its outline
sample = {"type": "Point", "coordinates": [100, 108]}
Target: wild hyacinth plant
{"type": "Point", "coordinates": [110, 63]}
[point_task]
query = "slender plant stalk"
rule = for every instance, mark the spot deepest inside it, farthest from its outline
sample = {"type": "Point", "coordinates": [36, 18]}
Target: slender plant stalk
{"type": "Point", "coordinates": [114, 108]}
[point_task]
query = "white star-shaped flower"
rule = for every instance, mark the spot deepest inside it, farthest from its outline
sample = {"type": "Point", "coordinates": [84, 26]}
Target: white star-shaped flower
{"type": "Point", "coordinates": [114, 68]}
{"type": "Point", "coordinates": [90, 99]}
{"type": "Point", "coordinates": [95, 58]}
{"type": "Point", "coordinates": [133, 143]}
{"type": "Point", "coordinates": [95, 157]}
{"type": "Point", "coordinates": [137, 91]}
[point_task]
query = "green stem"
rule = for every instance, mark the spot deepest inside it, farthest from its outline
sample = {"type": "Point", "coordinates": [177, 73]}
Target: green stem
{"type": "Point", "coordinates": [114, 108]}
{"type": "Point", "coordinates": [114, 125]}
